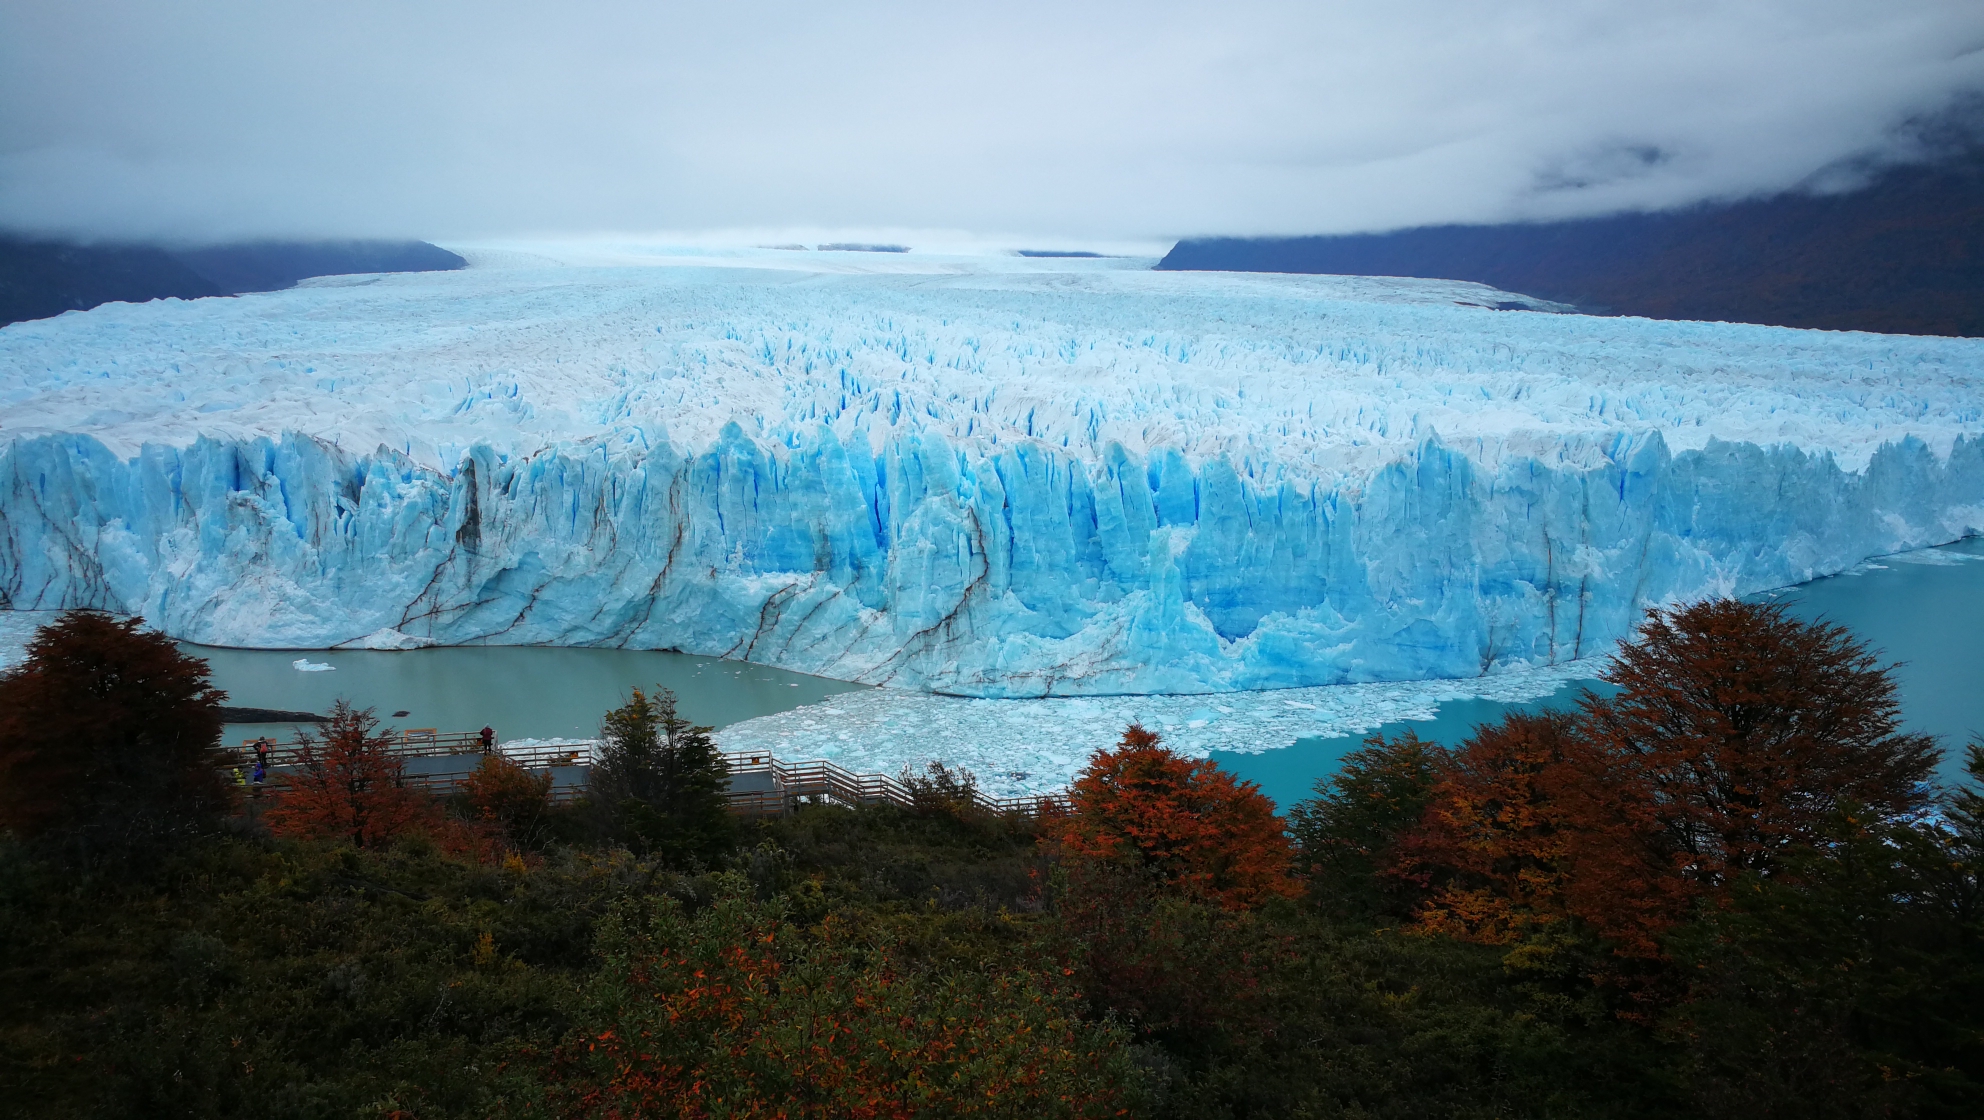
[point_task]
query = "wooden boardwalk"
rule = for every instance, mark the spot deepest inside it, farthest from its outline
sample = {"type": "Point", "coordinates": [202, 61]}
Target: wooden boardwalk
{"type": "Point", "coordinates": [760, 784]}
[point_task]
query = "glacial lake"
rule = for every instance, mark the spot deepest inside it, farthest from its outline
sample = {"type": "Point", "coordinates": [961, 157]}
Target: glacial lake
{"type": "Point", "coordinates": [524, 692]}
{"type": "Point", "coordinates": [1922, 609]}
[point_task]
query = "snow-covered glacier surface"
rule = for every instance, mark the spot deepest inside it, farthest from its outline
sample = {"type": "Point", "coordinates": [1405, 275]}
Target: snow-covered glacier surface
{"type": "Point", "coordinates": [987, 477]}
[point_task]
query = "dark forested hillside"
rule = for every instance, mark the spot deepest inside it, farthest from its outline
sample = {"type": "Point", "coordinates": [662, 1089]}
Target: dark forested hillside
{"type": "Point", "coordinates": [267, 266]}
{"type": "Point", "coordinates": [43, 278]}
{"type": "Point", "coordinates": [40, 278]}
{"type": "Point", "coordinates": [1903, 254]}
{"type": "Point", "coordinates": [1728, 890]}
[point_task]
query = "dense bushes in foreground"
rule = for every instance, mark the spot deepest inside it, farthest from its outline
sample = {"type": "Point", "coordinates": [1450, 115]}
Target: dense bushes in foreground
{"type": "Point", "coordinates": [1729, 892]}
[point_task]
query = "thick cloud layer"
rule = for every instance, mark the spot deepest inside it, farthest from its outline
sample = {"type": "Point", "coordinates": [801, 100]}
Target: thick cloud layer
{"type": "Point", "coordinates": [492, 118]}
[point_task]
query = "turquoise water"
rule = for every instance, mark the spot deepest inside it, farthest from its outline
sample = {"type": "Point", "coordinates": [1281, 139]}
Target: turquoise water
{"type": "Point", "coordinates": [1928, 616]}
{"type": "Point", "coordinates": [1290, 774]}
{"type": "Point", "coordinates": [524, 692]}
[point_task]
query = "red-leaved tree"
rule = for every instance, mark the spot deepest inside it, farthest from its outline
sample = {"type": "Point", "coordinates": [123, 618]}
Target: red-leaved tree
{"type": "Point", "coordinates": [109, 740]}
{"type": "Point", "coordinates": [1744, 730]}
{"type": "Point", "coordinates": [1498, 840]}
{"type": "Point", "coordinates": [1737, 735]}
{"type": "Point", "coordinates": [1189, 822]}
{"type": "Point", "coordinates": [1528, 828]}
{"type": "Point", "coordinates": [347, 784]}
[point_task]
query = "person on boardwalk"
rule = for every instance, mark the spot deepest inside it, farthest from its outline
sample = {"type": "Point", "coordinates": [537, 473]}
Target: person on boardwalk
{"type": "Point", "coordinates": [261, 773]}
{"type": "Point", "coordinates": [488, 736]}
{"type": "Point", "coordinates": [262, 753]}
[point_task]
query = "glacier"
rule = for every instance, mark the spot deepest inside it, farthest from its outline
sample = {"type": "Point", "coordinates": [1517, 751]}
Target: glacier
{"type": "Point", "coordinates": [976, 475]}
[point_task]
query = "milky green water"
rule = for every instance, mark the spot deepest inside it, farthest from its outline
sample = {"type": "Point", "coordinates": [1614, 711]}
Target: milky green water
{"type": "Point", "coordinates": [1927, 616]}
{"type": "Point", "coordinates": [523, 692]}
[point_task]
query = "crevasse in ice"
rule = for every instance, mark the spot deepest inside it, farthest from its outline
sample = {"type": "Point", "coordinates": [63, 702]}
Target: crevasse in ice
{"type": "Point", "coordinates": [988, 480]}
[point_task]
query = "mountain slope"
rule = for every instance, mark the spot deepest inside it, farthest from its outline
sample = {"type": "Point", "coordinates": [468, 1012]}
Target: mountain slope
{"type": "Point", "coordinates": [43, 278]}
{"type": "Point", "coordinates": [40, 278]}
{"type": "Point", "coordinates": [1902, 255]}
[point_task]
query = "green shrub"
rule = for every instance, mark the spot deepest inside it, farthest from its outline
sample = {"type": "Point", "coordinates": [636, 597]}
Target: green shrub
{"type": "Point", "coordinates": [731, 1011]}
{"type": "Point", "coordinates": [287, 980]}
{"type": "Point", "coordinates": [658, 783]}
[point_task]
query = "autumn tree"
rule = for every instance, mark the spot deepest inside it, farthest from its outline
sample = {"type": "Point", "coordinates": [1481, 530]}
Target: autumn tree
{"type": "Point", "coordinates": [1527, 831]}
{"type": "Point", "coordinates": [509, 799]}
{"type": "Point", "coordinates": [1499, 832]}
{"type": "Point", "coordinates": [1738, 734]}
{"type": "Point", "coordinates": [1348, 835]}
{"type": "Point", "coordinates": [1189, 822]}
{"type": "Point", "coordinates": [1744, 730]}
{"type": "Point", "coordinates": [109, 740]}
{"type": "Point", "coordinates": [733, 1012]}
{"type": "Point", "coordinates": [659, 780]}
{"type": "Point", "coordinates": [347, 783]}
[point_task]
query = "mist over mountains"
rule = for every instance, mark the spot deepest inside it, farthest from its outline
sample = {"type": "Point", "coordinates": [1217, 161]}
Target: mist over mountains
{"type": "Point", "coordinates": [43, 277]}
{"type": "Point", "coordinates": [1900, 251]}
{"type": "Point", "coordinates": [1902, 254]}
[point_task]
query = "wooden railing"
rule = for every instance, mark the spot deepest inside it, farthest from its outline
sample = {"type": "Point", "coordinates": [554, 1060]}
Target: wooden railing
{"type": "Point", "coordinates": [438, 762]}
{"type": "Point", "coordinates": [760, 784]}
{"type": "Point", "coordinates": [413, 742]}
{"type": "Point", "coordinates": [821, 782]}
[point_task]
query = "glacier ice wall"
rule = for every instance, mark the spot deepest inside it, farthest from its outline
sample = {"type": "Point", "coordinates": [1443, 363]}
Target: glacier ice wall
{"type": "Point", "coordinates": [941, 485]}
{"type": "Point", "coordinates": [1022, 573]}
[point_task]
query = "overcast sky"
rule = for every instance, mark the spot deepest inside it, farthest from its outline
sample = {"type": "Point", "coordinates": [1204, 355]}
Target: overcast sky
{"type": "Point", "coordinates": [1063, 119]}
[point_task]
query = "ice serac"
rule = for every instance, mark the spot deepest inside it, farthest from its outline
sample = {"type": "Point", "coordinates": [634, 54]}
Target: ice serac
{"type": "Point", "coordinates": [1289, 484]}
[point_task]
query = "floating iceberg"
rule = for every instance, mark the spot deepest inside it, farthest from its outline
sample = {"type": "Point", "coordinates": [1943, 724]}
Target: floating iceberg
{"type": "Point", "coordinates": [1022, 747]}
{"type": "Point", "coordinates": [990, 479]}
{"type": "Point", "coordinates": [305, 665]}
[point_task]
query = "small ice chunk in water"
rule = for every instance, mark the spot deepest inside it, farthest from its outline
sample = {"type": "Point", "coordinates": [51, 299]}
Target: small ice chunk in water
{"type": "Point", "coordinates": [305, 665]}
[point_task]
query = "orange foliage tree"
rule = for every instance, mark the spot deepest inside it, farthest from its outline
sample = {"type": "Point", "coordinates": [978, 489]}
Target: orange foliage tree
{"type": "Point", "coordinates": [1737, 735]}
{"type": "Point", "coordinates": [1743, 731]}
{"type": "Point", "coordinates": [509, 799]}
{"type": "Point", "coordinates": [1499, 835]}
{"type": "Point", "coordinates": [347, 784]}
{"type": "Point", "coordinates": [1526, 829]}
{"type": "Point", "coordinates": [732, 1012]}
{"type": "Point", "coordinates": [1189, 822]}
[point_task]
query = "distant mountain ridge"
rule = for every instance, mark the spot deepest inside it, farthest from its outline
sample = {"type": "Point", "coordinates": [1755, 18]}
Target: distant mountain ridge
{"type": "Point", "coordinates": [1903, 254]}
{"type": "Point", "coordinates": [41, 277]}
